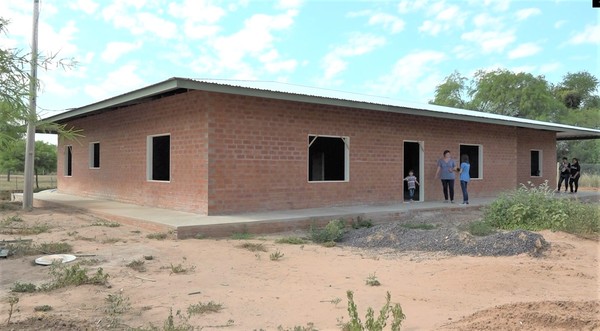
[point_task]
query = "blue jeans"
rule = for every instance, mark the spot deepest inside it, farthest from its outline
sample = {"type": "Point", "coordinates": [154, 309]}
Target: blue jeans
{"type": "Point", "coordinates": [411, 193]}
{"type": "Point", "coordinates": [463, 187]}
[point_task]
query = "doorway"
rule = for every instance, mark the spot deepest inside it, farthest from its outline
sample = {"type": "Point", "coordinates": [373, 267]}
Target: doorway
{"type": "Point", "coordinates": [413, 160]}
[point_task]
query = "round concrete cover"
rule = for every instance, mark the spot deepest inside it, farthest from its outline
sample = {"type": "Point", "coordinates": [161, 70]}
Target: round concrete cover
{"type": "Point", "coordinates": [49, 259]}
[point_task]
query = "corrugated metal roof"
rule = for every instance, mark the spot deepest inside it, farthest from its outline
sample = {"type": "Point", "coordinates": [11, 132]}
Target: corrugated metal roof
{"type": "Point", "coordinates": [285, 91]}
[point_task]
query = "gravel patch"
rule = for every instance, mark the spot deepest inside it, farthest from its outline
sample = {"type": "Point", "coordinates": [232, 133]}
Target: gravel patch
{"type": "Point", "coordinates": [445, 237]}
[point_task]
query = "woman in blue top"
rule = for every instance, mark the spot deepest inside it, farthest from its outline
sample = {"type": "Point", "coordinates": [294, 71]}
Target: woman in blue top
{"type": "Point", "coordinates": [447, 171]}
{"type": "Point", "coordinates": [465, 177]}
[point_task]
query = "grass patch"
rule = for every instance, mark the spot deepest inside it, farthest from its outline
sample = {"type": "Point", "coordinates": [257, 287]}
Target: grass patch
{"type": "Point", "coordinates": [291, 241]}
{"type": "Point", "coordinates": [137, 265]}
{"type": "Point", "coordinates": [361, 223]}
{"type": "Point", "coordinates": [373, 281]}
{"type": "Point", "coordinates": [332, 232]}
{"type": "Point", "coordinates": [109, 224]}
{"type": "Point", "coordinates": [309, 327]}
{"type": "Point", "coordinates": [157, 236]}
{"type": "Point", "coordinates": [242, 236]}
{"type": "Point", "coordinates": [253, 247]}
{"type": "Point", "coordinates": [42, 308]}
{"type": "Point", "coordinates": [276, 256]}
{"type": "Point", "coordinates": [23, 288]}
{"type": "Point", "coordinates": [180, 268]}
{"type": "Point", "coordinates": [204, 308]}
{"type": "Point", "coordinates": [589, 180]}
{"type": "Point", "coordinates": [14, 225]}
{"type": "Point", "coordinates": [73, 275]}
{"type": "Point", "coordinates": [418, 226]}
{"type": "Point", "coordinates": [537, 208]}
{"type": "Point", "coordinates": [116, 305]}
{"type": "Point", "coordinates": [111, 240]}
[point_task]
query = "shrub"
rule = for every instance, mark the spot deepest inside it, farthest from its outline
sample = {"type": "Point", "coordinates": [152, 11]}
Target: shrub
{"type": "Point", "coordinates": [361, 223]}
{"type": "Point", "coordinates": [333, 231]}
{"type": "Point", "coordinates": [291, 241]}
{"type": "Point", "coordinates": [372, 324]}
{"type": "Point", "coordinates": [24, 288]}
{"type": "Point", "coordinates": [253, 247]}
{"type": "Point", "coordinates": [204, 308]}
{"type": "Point", "coordinates": [73, 276]}
{"type": "Point", "coordinates": [276, 256]}
{"type": "Point", "coordinates": [537, 208]}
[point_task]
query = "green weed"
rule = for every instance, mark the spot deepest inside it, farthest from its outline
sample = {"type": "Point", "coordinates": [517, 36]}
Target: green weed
{"type": "Point", "coordinates": [157, 236]}
{"type": "Point", "coordinates": [361, 223]}
{"type": "Point", "coordinates": [43, 308]}
{"type": "Point", "coordinates": [480, 228]}
{"type": "Point", "coordinates": [537, 208]}
{"type": "Point", "coordinates": [291, 241]}
{"type": "Point", "coordinates": [253, 247]}
{"type": "Point", "coordinates": [332, 232]}
{"type": "Point", "coordinates": [276, 256]}
{"type": "Point", "coordinates": [372, 280]}
{"type": "Point", "coordinates": [73, 275]}
{"type": "Point", "coordinates": [204, 308]}
{"type": "Point", "coordinates": [372, 323]}
{"type": "Point", "coordinates": [23, 288]}
{"type": "Point", "coordinates": [110, 224]}
{"type": "Point", "coordinates": [116, 305]}
{"type": "Point", "coordinates": [137, 265]}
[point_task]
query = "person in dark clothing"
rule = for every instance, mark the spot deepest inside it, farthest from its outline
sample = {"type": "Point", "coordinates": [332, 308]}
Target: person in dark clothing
{"type": "Point", "coordinates": [565, 174]}
{"type": "Point", "coordinates": [575, 173]}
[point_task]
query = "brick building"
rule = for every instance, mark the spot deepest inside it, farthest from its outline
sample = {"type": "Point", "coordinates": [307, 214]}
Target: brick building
{"type": "Point", "coordinates": [222, 147]}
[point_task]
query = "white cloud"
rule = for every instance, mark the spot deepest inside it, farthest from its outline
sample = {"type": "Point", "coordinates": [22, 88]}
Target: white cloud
{"type": "Point", "coordinates": [463, 52]}
{"type": "Point", "coordinates": [524, 69]}
{"type": "Point", "coordinates": [122, 80]}
{"type": "Point", "coordinates": [255, 41]}
{"type": "Point", "coordinates": [559, 24]}
{"type": "Point", "coordinates": [527, 12]}
{"type": "Point", "coordinates": [359, 44]}
{"type": "Point", "coordinates": [485, 20]}
{"type": "Point", "coordinates": [444, 18]}
{"type": "Point", "coordinates": [86, 6]}
{"type": "Point", "coordinates": [389, 22]}
{"type": "Point", "coordinates": [524, 50]}
{"type": "Point", "coordinates": [114, 50]}
{"type": "Point", "coordinates": [490, 41]}
{"type": "Point", "coordinates": [591, 35]}
{"type": "Point", "coordinates": [138, 22]}
{"type": "Point", "coordinates": [197, 11]}
{"type": "Point", "coordinates": [407, 6]}
{"type": "Point", "coordinates": [410, 75]}
{"type": "Point", "coordinates": [288, 4]}
{"type": "Point", "coordinates": [496, 5]}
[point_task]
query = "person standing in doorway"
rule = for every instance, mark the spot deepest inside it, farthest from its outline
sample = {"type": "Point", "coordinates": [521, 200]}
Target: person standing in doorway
{"type": "Point", "coordinates": [465, 177]}
{"type": "Point", "coordinates": [575, 172]}
{"type": "Point", "coordinates": [446, 168]}
{"type": "Point", "coordinates": [565, 174]}
{"type": "Point", "coordinates": [412, 181]}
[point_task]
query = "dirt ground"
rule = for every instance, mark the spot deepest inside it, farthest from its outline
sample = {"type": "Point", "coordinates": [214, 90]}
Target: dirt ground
{"type": "Point", "coordinates": [308, 284]}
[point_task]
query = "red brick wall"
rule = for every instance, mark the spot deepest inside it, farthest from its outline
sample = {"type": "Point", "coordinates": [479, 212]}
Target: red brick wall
{"type": "Point", "coordinates": [122, 135]}
{"type": "Point", "coordinates": [543, 141]}
{"type": "Point", "coordinates": [236, 154]}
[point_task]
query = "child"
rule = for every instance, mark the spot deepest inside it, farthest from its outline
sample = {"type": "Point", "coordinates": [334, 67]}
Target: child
{"type": "Point", "coordinates": [465, 177]}
{"type": "Point", "coordinates": [411, 180]}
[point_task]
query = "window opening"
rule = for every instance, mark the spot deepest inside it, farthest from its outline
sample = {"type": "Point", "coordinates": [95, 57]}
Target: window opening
{"type": "Point", "coordinates": [95, 155]}
{"type": "Point", "coordinates": [159, 158]}
{"type": "Point", "coordinates": [536, 163]}
{"type": "Point", "coordinates": [68, 171]}
{"type": "Point", "coordinates": [327, 158]}
{"type": "Point", "coordinates": [475, 159]}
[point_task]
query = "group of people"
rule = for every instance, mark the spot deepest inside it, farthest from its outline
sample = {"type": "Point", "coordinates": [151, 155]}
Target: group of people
{"type": "Point", "coordinates": [569, 173]}
{"type": "Point", "coordinates": [446, 171]}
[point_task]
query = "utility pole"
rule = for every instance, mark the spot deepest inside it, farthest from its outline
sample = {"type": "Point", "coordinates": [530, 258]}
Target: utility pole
{"type": "Point", "coordinates": [32, 118]}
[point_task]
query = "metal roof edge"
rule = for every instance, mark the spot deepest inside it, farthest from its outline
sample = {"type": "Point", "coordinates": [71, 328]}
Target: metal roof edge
{"type": "Point", "coordinates": [154, 89]}
{"type": "Point", "coordinates": [316, 96]}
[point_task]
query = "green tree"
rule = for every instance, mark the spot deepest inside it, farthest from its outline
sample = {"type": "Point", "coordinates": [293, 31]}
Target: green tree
{"type": "Point", "coordinates": [577, 90]}
{"type": "Point", "coordinates": [12, 158]}
{"type": "Point", "coordinates": [453, 92]}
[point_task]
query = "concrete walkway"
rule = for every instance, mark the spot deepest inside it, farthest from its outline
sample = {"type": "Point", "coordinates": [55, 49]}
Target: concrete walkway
{"type": "Point", "coordinates": [187, 225]}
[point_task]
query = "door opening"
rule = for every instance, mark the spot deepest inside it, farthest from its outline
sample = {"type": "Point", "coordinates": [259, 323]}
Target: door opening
{"type": "Point", "coordinates": [413, 160]}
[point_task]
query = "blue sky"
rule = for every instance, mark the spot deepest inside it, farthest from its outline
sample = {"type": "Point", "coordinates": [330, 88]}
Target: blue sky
{"type": "Point", "coordinates": [397, 49]}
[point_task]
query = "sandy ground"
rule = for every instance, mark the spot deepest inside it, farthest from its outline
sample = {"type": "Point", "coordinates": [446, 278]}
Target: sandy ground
{"type": "Point", "coordinates": [559, 291]}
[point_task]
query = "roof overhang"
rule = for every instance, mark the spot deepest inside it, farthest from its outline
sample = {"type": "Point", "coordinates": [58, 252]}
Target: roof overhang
{"type": "Point", "coordinates": [282, 91]}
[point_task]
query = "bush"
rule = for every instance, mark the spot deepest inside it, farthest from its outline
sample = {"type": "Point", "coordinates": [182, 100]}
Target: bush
{"type": "Point", "coordinates": [372, 323]}
{"type": "Point", "coordinates": [537, 208]}
{"type": "Point", "coordinates": [481, 228]}
{"type": "Point", "coordinates": [332, 232]}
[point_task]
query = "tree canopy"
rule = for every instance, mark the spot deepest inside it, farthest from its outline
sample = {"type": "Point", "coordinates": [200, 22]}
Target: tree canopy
{"type": "Point", "coordinates": [574, 101]}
